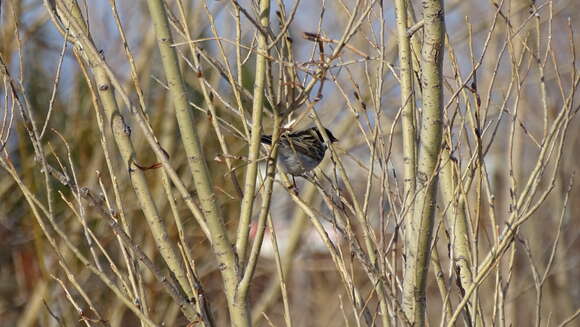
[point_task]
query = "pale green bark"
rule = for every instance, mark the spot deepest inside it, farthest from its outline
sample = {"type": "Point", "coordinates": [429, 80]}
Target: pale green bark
{"type": "Point", "coordinates": [456, 222]}
{"type": "Point", "coordinates": [254, 151]}
{"type": "Point", "coordinates": [420, 228]}
{"type": "Point", "coordinates": [221, 245]}
{"type": "Point", "coordinates": [69, 11]}
{"type": "Point", "coordinates": [407, 102]}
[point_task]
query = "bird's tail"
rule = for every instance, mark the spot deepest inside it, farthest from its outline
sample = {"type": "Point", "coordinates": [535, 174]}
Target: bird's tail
{"type": "Point", "coordinates": [266, 139]}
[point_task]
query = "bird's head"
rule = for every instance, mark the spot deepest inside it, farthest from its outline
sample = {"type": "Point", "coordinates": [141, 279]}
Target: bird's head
{"type": "Point", "coordinates": [329, 133]}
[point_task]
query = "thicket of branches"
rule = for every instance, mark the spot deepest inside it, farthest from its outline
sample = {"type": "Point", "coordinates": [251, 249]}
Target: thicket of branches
{"type": "Point", "coordinates": [134, 189]}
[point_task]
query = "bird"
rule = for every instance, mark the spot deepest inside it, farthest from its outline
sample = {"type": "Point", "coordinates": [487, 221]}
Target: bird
{"type": "Point", "coordinates": [302, 151]}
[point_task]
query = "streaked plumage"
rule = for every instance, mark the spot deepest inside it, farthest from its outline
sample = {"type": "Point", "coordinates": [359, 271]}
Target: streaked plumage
{"type": "Point", "coordinates": [302, 151]}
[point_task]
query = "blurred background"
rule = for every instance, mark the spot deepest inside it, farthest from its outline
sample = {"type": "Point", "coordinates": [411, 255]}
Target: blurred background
{"type": "Point", "coordinates": [525, 53]}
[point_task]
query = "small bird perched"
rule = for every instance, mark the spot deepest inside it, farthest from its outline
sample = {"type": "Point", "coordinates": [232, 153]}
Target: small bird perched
{"type": "Point", "coordinates": [302, 151]}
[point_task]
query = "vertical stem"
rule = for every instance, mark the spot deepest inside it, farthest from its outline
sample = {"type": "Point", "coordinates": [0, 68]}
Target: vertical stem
{"type": "Point", "coordinates": [254, 151]}
{"type": "Point", "coordinates": [69, 10]}
{"type": "Point", "coordinates": [264, 212]}
{"type": "Point", "coordinates": [407, 119]}
{"type": "Point", "coordinates": [407, 103]}
{"type": "Point", "coordinates": [420, 228]}
{"type": "Point", "coordinates": [456, 221]}
{"type": "Point", "coordinates": [221, 245]}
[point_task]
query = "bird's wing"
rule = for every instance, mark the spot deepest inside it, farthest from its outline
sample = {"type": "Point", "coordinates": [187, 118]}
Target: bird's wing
{"type": "Point", "coordinates": [306, 144]}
